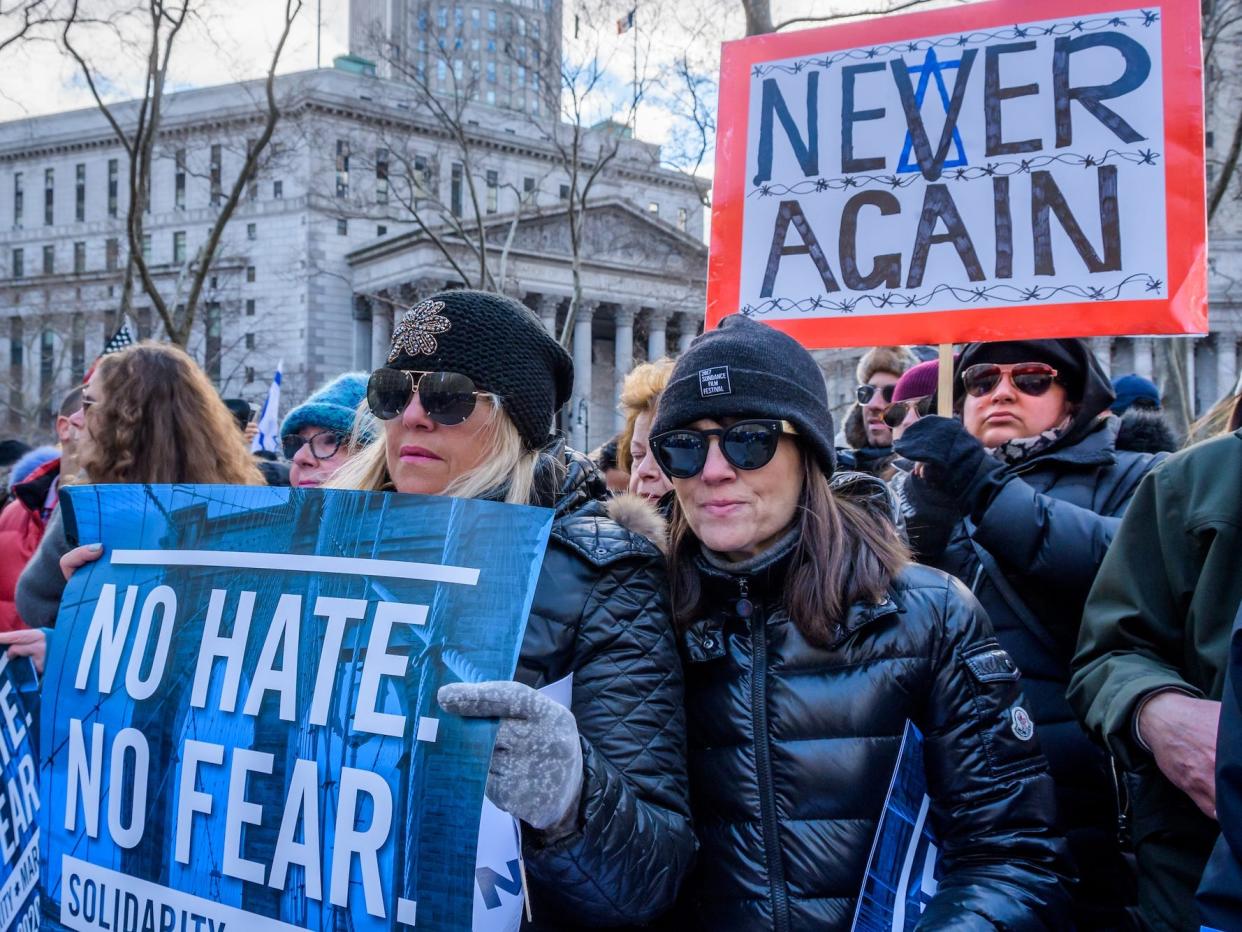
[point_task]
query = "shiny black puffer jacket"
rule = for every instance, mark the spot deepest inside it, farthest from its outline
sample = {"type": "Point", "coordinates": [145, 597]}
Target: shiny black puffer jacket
{"type": "Point", "coordinates": [1045, 533]}
{"type": "Point", "coordinates": [600, 612]}
{"type": "Point", "coordinates": [792, 748]}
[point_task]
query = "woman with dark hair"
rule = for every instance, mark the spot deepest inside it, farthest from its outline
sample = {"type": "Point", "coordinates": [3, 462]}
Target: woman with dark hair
{"type": "Point", "coordinates": [1021, 499]}
{"type": "Point", "coordinates": [809, 642]}
{"type": "Point", "coordinates": [467, 401]}
{"type": "Point", "coordinates": [150, 415]}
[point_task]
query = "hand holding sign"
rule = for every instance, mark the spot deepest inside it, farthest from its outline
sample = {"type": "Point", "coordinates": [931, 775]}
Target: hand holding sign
{"type": "Point", "coordinates": [29, 642]}
{"type": "Point", "coordinates": [536, 769]}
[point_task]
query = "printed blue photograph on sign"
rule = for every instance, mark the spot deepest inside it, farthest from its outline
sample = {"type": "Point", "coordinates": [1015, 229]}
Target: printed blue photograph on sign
{"type": "Point", "coordinates": [240, 723]}
{"type": "Point", "coordinates": [19, 796]}
{"type": "Point", "coordinates": [901, 876]}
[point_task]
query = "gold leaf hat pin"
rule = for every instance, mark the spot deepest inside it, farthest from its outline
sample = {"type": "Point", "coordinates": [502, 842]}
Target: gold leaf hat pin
{"type": "Point", "coordinates": [415, 333]}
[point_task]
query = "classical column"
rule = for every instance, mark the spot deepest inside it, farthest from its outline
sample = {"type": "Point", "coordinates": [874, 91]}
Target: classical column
{"type": "Point", "coordinates": [1103, 349]}
{"type": "Point", "coordinates": [580, 400]}
{"type": "Point", "coordinates": [382, 325]}
{"type": "Point", "coordinates": [362, 334]}
{"type": "Point", "coordinates": [623, 355]}
{"type": "Point", "coordinates": [1226, 362]}
{"type": "Point", "coordinates": [657, 321]}
{"type": "Point", "coordinates": [689, 330]}
{"type": "Point", "coordinates": [1142, 356]}
{"type": "Point", "coordinates": [546, 306]}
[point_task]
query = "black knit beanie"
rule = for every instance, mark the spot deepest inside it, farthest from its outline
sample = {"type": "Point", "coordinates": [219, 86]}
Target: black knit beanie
{"type": "Point", "coordinates": [747, 369]}
{"type": "Point", "coordinates": [500, 344]}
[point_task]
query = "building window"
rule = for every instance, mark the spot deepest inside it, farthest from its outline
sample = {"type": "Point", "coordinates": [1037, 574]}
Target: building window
{"type": "Point", "coordinates": [493, 192]}
{"type": "Point", "coordinates": [250, 341]}
{"type": "Point", "coordinates": [179, 181]}
{"type": "Point", "coordinates": [47, 368]}
{"type": "Point", "coordinates": [422, 174]}
{"type": "Point", "coordinates": [250, 273]}
{"type": "Point", "coordinates": [178, 247]}
{"type": "Point", "coordinates": [381, 176]}
{"type": "Point", "coordinates": [381, 230]}
{"type": "Point", "coordinates": [653, 208]}
{"type": "Point", "coordinates": [49, 260]}
{"type": "Point", "coordinates": [528, 188]}
{"type": "Point", "coordinates": [112, 253]}
{"type": "Point", "coordinates": [252, 231]}
{"type": "Point", "coordinates": [249, 374]}
{"type": "Point", "coordinates": [342, 168]}
{"type": "Point", "coordinates": [491, 72]}
{"type": "Point", "coordinates": [455, 190]}
{"type": "Point", "coordinates": [216, 169]}
{"type": "Point", "coordinates": [77, 343]}
{"type": "Point", "coordinates": [112, 187]}
{"type": "Point", "coordinates": [442, 17]}
{"type": "Point", "coordinates": [683, 217]}
{"type": "Point", "coordinates": [474, 17]}
{"type": "Point", "coordinates": [491, 20]}
{"type": "Point", "coordinates": [214, 283]}
{"type": "Point", "coordinates": [19, 197]}
{"type": "Point", "coordinates": [250, 307]}
{"type": "Point", "coordinates": [146, 247]}
{"type": "Point", "coordinates": [19, 263]}
{"type": "Point", "coordinates": [214, 341]}
{"type": "Point", "coordinates": [79, 196]}
{"type": "Point", "coordinates": [79, 258]}
{"type": "Point", "coordinates": [564, 192]}
{"type": "Point", "coordinates": [278, 189]}
{"type": "Point", "coordinates": [252, 183]}
{"type": "Point", "coordinates": [49, 185]}
{"type": "Point", "coordinates": [342, 226]}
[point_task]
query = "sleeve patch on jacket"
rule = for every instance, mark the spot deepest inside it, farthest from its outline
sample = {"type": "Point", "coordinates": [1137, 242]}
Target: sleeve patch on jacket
{"type": "Point", "coordinates": [992, 665]}
{"type": "Point", "coordinates": [1020, 724]}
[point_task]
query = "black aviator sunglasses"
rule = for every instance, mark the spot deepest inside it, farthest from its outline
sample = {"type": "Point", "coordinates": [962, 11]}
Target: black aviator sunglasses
{"type": "Point", "coordinates": [748, 444]}
{"type": "Point", "coordinates": [447, 397]}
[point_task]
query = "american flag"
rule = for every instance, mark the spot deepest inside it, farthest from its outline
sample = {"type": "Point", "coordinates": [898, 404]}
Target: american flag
{"type": "Point", "coordinates": [626, 22]}
{"type": "Point", "coordinates": [119, 340]}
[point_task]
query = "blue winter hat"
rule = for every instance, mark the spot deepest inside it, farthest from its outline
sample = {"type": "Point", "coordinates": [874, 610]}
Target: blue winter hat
{"type": "Point", "coordinates": [1134, 388]}
{"type": "Point", "coordinates": [333, 407]}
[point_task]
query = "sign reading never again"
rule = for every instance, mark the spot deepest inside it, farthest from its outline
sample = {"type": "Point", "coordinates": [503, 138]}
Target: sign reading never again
{"type": "Point", "coordinates": [948, 176]}
{"type": "Point", "coordinates": [241, 723]}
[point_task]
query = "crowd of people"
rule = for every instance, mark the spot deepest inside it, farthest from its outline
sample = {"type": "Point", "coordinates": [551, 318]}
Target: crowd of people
{"type": "Point", "coordinates": [753, 606]}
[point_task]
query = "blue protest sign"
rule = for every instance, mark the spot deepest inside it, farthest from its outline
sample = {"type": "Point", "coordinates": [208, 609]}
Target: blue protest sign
{"type": "Point", "coordinates": [19, 796]}
{"type": "Point", "coordinates": [901, 872]}
{"type": "Point", "coordinates": [241, 729]}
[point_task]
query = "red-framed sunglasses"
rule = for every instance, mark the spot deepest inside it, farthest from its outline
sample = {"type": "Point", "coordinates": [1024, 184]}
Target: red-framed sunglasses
{"type": "Point", "coordinates": [1030, 378]}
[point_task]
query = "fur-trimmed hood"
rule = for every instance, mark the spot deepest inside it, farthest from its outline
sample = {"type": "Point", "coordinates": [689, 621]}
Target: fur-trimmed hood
{"type": "Point", "coordinates": [639, 516]}
{"type": "Point", "coordinates": [894, 359]}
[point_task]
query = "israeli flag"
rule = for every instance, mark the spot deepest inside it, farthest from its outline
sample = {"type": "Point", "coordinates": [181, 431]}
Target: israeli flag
{"type": "Point", "coordinates": [268, 437]}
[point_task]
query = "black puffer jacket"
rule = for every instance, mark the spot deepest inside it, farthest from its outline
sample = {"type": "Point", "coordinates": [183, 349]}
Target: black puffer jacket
{"type": "Point", "coordinates": [1043, 536]}
{"type": "Point", "coordinates": [792, 748]}
{"type": "Point", "coordinates": [600, 612]}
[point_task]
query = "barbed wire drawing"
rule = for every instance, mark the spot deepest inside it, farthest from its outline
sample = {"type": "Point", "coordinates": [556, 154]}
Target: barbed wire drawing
{"type": "Point", "coordinates": [965, 173]}
{"type": "Point", "coordinates": [1144, 19]}
{"type": "Point", "coordinates": [1140, 283]}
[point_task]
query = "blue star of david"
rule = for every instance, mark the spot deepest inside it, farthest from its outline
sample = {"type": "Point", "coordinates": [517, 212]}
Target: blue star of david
{"type": "Point", "coordinates": [931, 66]}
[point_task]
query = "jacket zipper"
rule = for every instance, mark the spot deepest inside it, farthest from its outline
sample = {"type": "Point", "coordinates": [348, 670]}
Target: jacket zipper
{"type": "Point", "coordinates": [763, 758]}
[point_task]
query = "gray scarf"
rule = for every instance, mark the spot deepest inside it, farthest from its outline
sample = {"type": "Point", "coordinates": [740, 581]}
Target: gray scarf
{"type": "Point", "coordinates": [1020, 449]}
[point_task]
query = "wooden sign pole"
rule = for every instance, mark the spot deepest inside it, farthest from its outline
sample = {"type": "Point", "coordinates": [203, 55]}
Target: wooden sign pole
{"type": "Point", "coordinates": [944, 384]}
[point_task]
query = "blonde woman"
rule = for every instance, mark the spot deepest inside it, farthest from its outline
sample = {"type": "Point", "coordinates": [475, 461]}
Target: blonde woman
{"type": "Point", "coordinates": [467, 400]}
{"type": "Point", "coordinates": [640, 393]}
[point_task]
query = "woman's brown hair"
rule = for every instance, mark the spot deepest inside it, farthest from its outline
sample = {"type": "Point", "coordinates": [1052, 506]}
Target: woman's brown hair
{"type": "Point", "coordinates": [844, 554]}
{"type": "Point", "coordinates": [159, 419]}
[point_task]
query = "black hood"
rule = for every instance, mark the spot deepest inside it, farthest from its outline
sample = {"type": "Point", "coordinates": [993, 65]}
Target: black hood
{"type": "Point", "coordinates": [1084, 378]}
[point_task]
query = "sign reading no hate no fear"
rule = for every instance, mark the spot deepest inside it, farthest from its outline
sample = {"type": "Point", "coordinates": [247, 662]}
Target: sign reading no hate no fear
{"type": "Point", "coordinates": [965, 174]}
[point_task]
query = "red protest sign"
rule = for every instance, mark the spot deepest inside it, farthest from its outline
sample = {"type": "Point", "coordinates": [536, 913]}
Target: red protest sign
{"type": "Point", "coordinates": [1003, 170]}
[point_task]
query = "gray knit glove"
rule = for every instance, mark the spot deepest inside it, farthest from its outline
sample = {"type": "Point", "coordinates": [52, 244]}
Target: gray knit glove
{"type": "Point", "coordinates": [536, 769]}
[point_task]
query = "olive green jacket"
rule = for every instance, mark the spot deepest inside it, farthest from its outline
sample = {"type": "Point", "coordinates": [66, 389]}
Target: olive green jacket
{"type": "Point", "coordinates": [1159, 617]}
